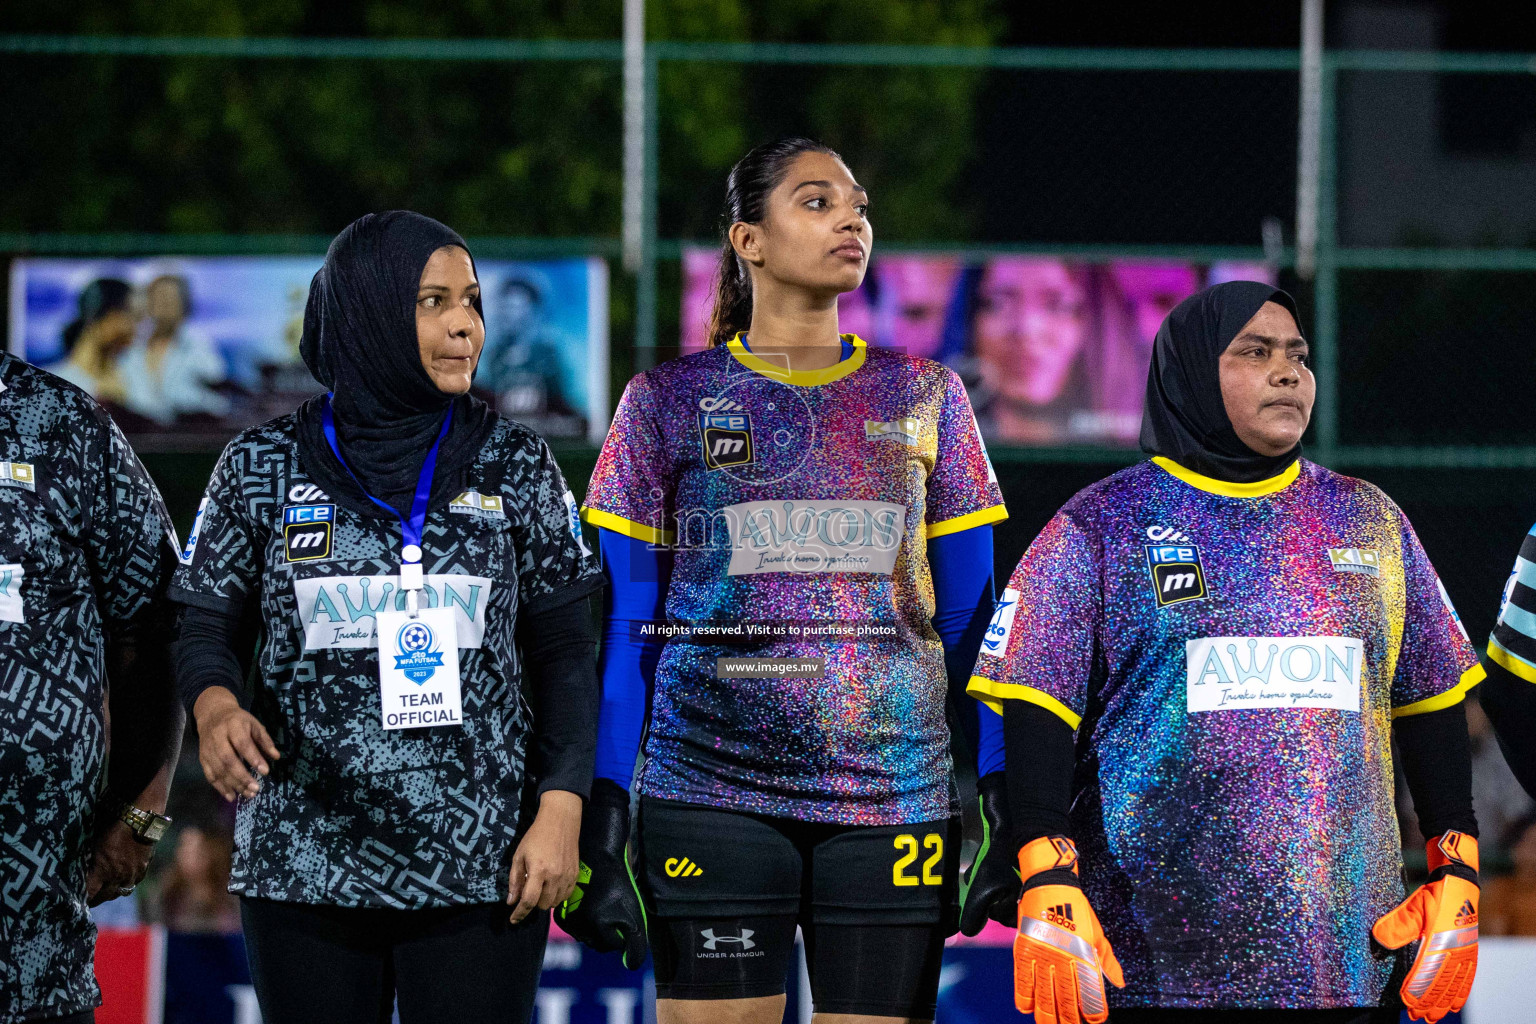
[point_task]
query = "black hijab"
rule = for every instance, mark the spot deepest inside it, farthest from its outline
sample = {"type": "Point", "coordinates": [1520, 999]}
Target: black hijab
{"type": "Point", "coordinates": [360, 342]}
{"type": "Point", "coordinates": [1184, 418]}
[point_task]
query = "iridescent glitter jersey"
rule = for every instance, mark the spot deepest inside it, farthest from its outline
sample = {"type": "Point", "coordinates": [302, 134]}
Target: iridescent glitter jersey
{"type": "Point", "coordinates": [1233, 656]}
{"type": "Point", "coordinates": [799, 501]}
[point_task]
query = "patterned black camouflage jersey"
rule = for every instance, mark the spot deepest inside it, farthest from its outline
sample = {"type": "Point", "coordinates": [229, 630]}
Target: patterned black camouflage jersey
{"type": "Point", "coordinates": [87, 551]}
{"type": "Point", "coordinates": [353, 814]}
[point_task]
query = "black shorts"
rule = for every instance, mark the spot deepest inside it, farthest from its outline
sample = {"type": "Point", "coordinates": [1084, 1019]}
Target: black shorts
{"type": "Point", "coordinates": [875, 904]}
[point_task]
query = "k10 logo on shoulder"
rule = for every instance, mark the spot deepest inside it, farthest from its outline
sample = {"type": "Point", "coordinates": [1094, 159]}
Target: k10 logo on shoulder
{"type": "Point", "coordinates": [995, 640]}
{"type": "Point", "coordinates": [1234, 673]}
{"type": "Point", "coordinates": [814, 536]}
{"type": "Point", "coordinates": [11, 608]}
{"type": "Point", "coordinates": [474, 503]}
{"type": "Point", "coordinates": [307, 532]}
{"type": "Point", "coordinates": [1365, 561]}
{"type": "Point", "coordinates": [18, 474]}
{"type": "Point", "coordinates": [1177, 574]}
{"type": "Point", "coordinates": [908, 430]}
{"type": "Point", "coordinates": [339, 612]}
{"type": "Point", "coordinates": [727, 438]}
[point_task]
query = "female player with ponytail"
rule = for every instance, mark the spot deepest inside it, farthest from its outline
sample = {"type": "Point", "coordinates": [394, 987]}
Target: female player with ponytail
{"type": "Point", "coordinates": [820, 511]}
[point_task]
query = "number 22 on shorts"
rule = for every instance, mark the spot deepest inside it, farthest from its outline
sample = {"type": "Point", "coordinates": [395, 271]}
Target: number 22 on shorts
{"type": "Point", "coordinates": [932, 872]}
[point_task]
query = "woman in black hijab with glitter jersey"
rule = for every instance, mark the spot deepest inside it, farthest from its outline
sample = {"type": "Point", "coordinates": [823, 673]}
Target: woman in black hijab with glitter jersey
{"type": "Point", "coordinates": [1236, 819]}
{"type": "Point", "coordinates": [408, 558]}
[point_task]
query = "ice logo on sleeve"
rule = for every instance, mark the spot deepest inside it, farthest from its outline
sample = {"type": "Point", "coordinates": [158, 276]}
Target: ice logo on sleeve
{"type": "Point", "coordinates": [419, 655]}
{"type": "Point", "coordinates": [995, 641]}
{"type": "Point", "coordinates": [1235, 673]}
{"type": "Point", "coordinates": [197, 529]}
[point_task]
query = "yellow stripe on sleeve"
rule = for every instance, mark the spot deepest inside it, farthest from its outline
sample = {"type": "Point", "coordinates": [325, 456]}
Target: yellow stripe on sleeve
{"type": "Point", "coordinates": [1516, 665]}
{"type": "Point", "coordinates": [983, 688]}
{"type": "Point", "coordinates": [995, 514]}
{"type": "Point", "coordinates": [628, 527]}
{"type": "Point", "coordinates": [1455, 695]}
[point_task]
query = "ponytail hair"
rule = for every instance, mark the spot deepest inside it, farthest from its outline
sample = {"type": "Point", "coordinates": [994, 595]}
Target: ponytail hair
{"type": "Point", "coordinates": [747, 188]}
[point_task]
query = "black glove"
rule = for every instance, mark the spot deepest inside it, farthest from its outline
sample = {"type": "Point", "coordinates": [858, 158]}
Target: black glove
{"type": "Point", "coordinates": [991, 887]}
{"type": "Point", "coordinates": [604, 910]}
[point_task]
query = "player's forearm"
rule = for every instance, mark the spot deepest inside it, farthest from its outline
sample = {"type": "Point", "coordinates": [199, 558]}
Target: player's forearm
{"type": "Point", "coordinates": [560, 666]}
{"type": "Point", "coordinates": [145, 722]}
{"type": "Point", "coordinates": [961, 564]}
{"type": "Point", "coordinates": [1436, 759]}
{"type": "Point", "coordinates": [1511, 705]}
{"type": "Point", "coordinates": [638, 577]}
{"type": "Point", "coordinates": [204, 656]}
{"type": "Point", "coordinates": [157, 794]}
{"type": "Point", "coordinates": [1039, 773]}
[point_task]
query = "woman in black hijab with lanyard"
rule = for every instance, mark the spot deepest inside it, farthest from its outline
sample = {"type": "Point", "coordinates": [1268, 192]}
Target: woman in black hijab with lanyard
{"type": "Point", "coordinates": [1204, 662]}
{"type": "Point", "coordinates": [420, 738]}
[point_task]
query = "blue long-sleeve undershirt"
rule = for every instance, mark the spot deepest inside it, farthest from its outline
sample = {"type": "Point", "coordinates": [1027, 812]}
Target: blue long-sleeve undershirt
{"type": "Point", "coordinates": [638, 575]}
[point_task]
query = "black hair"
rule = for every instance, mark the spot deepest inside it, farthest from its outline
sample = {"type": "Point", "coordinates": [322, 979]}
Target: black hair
{"type": "Point", "coordinates": [747, 188]}
{"type": "Point", "coordinates": [102, 296]}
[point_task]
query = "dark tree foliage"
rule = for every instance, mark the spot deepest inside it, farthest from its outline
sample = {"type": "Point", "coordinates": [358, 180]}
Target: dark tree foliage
{"type": "Point", "coordinates": [290, 145]}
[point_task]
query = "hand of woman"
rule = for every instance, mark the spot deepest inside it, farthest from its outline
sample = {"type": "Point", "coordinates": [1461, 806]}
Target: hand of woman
{"type": "Point", "coordinates": [231, 744]}
{"type": "Point", "coordinates": [118, 863]}
{"type": "Point", "coordinates": [546, 862]}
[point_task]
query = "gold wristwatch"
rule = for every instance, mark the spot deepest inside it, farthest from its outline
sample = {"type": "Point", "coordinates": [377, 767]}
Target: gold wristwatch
{"type": "Point", "coordinates": [147, 826]}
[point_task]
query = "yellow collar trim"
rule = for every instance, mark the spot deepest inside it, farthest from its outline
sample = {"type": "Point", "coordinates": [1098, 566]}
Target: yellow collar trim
{"type": "Point", "coordinates": [804, 378]}
{"type": "Point", "coordinates": [1254, 490]}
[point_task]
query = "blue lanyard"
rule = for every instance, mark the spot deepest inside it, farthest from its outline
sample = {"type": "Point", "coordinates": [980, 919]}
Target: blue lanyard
{"type": "Point", "coordinates": [411, 526]}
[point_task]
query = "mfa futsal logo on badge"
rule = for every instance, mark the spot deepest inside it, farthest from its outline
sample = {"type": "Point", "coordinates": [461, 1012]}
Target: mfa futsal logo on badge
{"type": "Point", "coordinates": [420, 656]}
{"type": "Point", "coordinates": [995, 641]}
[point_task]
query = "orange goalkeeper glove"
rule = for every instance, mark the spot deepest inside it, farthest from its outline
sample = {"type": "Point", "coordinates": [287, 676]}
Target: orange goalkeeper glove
{"type": "Point", "coordinates": [1441, 915]}
{"type": "Point", "coordinates": [1060, 954]}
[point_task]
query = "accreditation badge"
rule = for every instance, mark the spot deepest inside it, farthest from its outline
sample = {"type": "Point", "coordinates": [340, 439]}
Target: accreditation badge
{"type": "Point", "coordinates": [419, 669]}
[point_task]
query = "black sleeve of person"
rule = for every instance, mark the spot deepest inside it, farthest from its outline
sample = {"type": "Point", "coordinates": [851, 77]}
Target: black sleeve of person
{"type": "Point", "coordinates": [1436, 756]}
{"type": "Point", "coordinates": [1511, 705]}
{"type": "Point", "coordinates": [559, 651]}
{"type": "Point", "coordinates": [204, 654]}
{"type": "Point", "coordinates": [1039, 748]}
